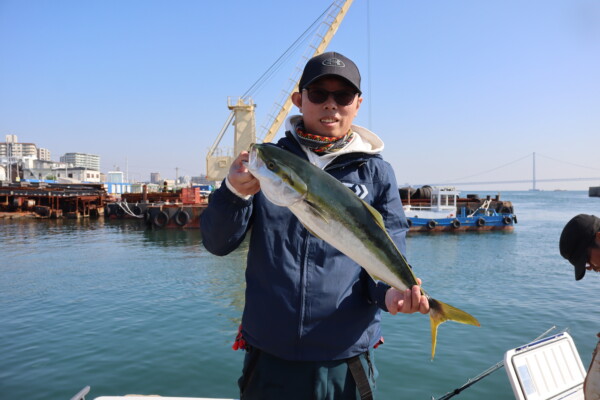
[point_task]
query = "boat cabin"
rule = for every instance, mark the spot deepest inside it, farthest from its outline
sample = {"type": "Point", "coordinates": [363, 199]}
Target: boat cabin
{"type": "Point", "coordinates": [442, 204]}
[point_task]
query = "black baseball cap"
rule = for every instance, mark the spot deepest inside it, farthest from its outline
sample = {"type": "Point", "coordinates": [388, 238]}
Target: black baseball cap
{"type": "Point", "coordinates": [577, 236]}
{"type": "Point", "coordinates": [330, 64]}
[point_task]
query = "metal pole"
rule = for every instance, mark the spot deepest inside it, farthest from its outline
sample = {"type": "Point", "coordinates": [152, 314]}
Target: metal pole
{"type": "Point", "coordinates": [485, 373]}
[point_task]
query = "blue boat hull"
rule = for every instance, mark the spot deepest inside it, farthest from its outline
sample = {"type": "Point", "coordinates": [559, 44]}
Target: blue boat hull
{"type": "Point", "coordinates": [464, 223]}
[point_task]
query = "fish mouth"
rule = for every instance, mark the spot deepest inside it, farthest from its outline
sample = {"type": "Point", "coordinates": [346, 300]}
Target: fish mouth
{"type": "Point", "coordinates": [253, 154]}
{"type": "Point", "coordinates": [254, 160]}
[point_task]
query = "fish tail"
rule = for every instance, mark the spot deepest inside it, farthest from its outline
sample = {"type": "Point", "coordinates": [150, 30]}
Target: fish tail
{"type": "Point", "coordinates": [441, 312]}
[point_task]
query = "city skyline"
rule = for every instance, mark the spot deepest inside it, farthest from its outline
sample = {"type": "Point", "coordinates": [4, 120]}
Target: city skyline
{"type": "Point", "coordinates": [22, 150]}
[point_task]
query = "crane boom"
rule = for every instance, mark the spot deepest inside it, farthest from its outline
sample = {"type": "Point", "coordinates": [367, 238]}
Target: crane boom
{"type": "Point", "coordinates": [242, 114]}
{"type": "Point", "coordinates": [320, 48]}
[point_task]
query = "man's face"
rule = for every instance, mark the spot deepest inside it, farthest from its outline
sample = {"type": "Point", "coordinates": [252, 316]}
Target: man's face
{"type": "Point", "coordinates": [594, 251]}
{"type": "Point", "coordinates": [328, 118]}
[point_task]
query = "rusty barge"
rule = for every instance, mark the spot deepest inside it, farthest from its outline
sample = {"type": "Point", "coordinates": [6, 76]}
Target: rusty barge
{"type": "Point", "coordinates": [180, 209]}
{"type": "Point", "coordinates": [52, 200]}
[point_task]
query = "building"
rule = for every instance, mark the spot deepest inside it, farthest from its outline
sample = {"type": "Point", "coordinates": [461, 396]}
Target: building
{"type": "Point", "coordinates": [89, 161]}
{"type": "Point", "coordinates": [201, 180]}
{"type": "Point", "coordinates": [13, 156]}
{"type": "Point", "coordinates": [183, 180]}
{"type": "Point", "coordinates": [76, 175]}
{"type": "Point", "coordinates": [155, 177]}
{"type": "Point", "coordinates": [43, 154]}
{"type": "Point", "coordinates": [117, 188]}
{"type": "Point", "coordinates": [58, 171]}
{"type": "Point", "coordinates": [15, 150]}
{"type": "Point", "coordinates": [115, 177]}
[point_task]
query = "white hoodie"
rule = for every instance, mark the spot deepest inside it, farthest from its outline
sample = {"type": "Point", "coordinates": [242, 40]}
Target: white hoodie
{"type": "Point", "coordinates": [364, 141]}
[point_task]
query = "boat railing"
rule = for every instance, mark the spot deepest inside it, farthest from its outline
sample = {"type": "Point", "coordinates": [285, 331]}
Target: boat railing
{"type": "Point", "coordinates": [411, 207]}
{"type": "Point", "coordinates": [483, 209]}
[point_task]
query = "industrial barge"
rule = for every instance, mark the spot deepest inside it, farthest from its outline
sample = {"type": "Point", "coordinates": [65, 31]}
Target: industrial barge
{"type": "Point", "coordinates": [179, 209]}
{"type": "Point", "coordinates": [441, 209]}
{"type": "Point", "coordinates": [52, 200]}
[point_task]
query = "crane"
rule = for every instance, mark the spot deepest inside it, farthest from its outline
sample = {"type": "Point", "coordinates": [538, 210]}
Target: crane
{"type": "Point", "coordinates": [242, 114]}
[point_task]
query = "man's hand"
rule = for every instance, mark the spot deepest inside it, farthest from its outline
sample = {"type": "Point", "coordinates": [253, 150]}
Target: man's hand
{"type": "Point", "coordinates": [240, 178]}
{"type": "Point", "coordinates": [407, 302]}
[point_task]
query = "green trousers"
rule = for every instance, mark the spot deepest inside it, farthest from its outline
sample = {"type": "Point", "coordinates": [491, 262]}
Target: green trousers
{"type": "Point", "coordinates": [265, 377]}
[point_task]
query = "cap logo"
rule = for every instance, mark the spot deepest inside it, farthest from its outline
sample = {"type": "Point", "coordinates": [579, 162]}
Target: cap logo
{"type": "Point", "coordinates": [333, 62]}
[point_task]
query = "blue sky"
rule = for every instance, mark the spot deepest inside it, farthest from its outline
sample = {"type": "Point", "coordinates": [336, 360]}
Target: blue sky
{"type": "Point", "coordinates": [459, 91]}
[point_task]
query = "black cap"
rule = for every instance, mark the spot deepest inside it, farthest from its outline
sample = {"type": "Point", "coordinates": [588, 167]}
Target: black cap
{"type": "Point", "coordinates": [330, 64]}
{"type": "Point", "coordinates": [577, 236]}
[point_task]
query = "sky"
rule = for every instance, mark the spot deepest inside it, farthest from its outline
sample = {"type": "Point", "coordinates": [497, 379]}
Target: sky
{"type": "Point", "coordinates": [460, 91]}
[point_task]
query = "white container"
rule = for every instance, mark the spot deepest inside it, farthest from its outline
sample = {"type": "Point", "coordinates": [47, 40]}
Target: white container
{"type": "Point", "coordinates": [548, 369]}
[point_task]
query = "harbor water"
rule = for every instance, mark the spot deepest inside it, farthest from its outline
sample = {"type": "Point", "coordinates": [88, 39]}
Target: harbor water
{"type": "Point", "coordinates": [128, 310]}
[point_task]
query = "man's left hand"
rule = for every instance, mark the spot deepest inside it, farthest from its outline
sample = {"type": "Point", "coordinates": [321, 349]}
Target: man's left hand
{"type": "Point", "coordinates": [408, 301]}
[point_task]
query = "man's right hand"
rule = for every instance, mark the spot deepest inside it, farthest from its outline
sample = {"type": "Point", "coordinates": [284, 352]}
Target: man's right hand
{"type": "Point", "coordinates": [240, 178]}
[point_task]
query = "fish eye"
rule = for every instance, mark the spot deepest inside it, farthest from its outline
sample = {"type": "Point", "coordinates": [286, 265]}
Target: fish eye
{"type": "Point", "coordinates": [271, 165]}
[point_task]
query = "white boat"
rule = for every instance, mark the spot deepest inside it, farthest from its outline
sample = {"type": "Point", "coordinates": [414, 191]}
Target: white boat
{"type": "Point", "coordinates": [81, 396]}
{"type": "Point", "coordinates": [154, 397]}
{"type": "Point", "coordinates": [546, 369]}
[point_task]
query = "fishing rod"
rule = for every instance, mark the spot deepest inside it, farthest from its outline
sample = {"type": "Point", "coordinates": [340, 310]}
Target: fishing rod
{"type": "Point", "coordinates": [485, 373]}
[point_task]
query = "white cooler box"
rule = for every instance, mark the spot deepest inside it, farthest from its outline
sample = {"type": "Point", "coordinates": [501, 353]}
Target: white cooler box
{"type": "Point", "coordinates": [548, 369]}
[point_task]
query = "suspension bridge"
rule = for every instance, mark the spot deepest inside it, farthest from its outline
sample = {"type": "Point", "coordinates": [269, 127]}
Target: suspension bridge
{"type": "Point", "coordinates": [533, 180]}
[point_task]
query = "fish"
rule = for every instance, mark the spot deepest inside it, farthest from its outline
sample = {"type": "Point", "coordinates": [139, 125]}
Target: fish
{"type": "Point", "coordinates": [331, 211]}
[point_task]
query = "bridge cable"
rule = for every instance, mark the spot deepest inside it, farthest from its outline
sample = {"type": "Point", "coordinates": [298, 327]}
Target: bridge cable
{"type": "Point", "coordinates": [490, 170]}
{"type": "Point", "coordinates": [567, 162]}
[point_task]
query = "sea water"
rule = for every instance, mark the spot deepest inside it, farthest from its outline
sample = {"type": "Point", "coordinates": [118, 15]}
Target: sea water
{"type": "Point", "coordinates": [127, 309]}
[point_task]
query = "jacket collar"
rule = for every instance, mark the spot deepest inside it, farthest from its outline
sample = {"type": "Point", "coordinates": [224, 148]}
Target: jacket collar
{"type": "Point", "coordinates": [290, 143]}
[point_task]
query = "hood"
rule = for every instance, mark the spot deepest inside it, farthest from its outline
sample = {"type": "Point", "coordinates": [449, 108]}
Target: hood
{"type": "Point", "coordinates": [365, 141]}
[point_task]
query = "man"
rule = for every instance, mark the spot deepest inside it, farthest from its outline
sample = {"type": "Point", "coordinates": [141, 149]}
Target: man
{"type": "Point", "coordinates": [580, 244]}
{"type": "Point", "coordinates": [312, 316]}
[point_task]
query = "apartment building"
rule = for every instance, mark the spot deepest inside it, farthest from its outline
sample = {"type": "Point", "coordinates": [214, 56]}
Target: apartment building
{"type": "Point", "coordinates": [89, 161]}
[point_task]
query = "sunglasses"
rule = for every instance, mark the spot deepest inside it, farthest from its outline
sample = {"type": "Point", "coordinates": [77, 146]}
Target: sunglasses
{"type": "Point", "coordinates": [320, 96]}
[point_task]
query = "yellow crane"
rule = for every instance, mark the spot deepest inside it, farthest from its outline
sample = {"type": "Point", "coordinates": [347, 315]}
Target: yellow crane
{"type": "Point", "coordinates": [242, 111]}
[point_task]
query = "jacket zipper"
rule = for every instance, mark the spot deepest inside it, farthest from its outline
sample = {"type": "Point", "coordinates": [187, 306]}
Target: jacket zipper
{"type": "Point", "coordinates": [303, 273]}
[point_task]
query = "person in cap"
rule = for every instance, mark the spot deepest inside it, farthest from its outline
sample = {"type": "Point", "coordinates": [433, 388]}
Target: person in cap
{"type": "Point", "coordinates": [580, 244]}
{"type": "Point", "coordinates": [311, 317]}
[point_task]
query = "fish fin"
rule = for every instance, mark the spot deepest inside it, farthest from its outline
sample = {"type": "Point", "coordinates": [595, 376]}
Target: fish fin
{"type": "Point", "coordinates": [294, 180]}
{"type": "Point", "coordinates": [317, 212]}
{"type": "Point", "coordinates": [440, 312]}
{"type": "Point", "coordinates": [376, 215]}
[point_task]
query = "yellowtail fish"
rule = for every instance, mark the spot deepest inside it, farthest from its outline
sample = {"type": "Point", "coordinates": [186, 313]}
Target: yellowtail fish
{"type": "Point", "coordinates": [333, 213]}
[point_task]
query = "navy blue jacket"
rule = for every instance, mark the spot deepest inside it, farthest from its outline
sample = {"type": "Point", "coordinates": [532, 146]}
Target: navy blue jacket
{"type": "Point", "coordinates": [304, 299]}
